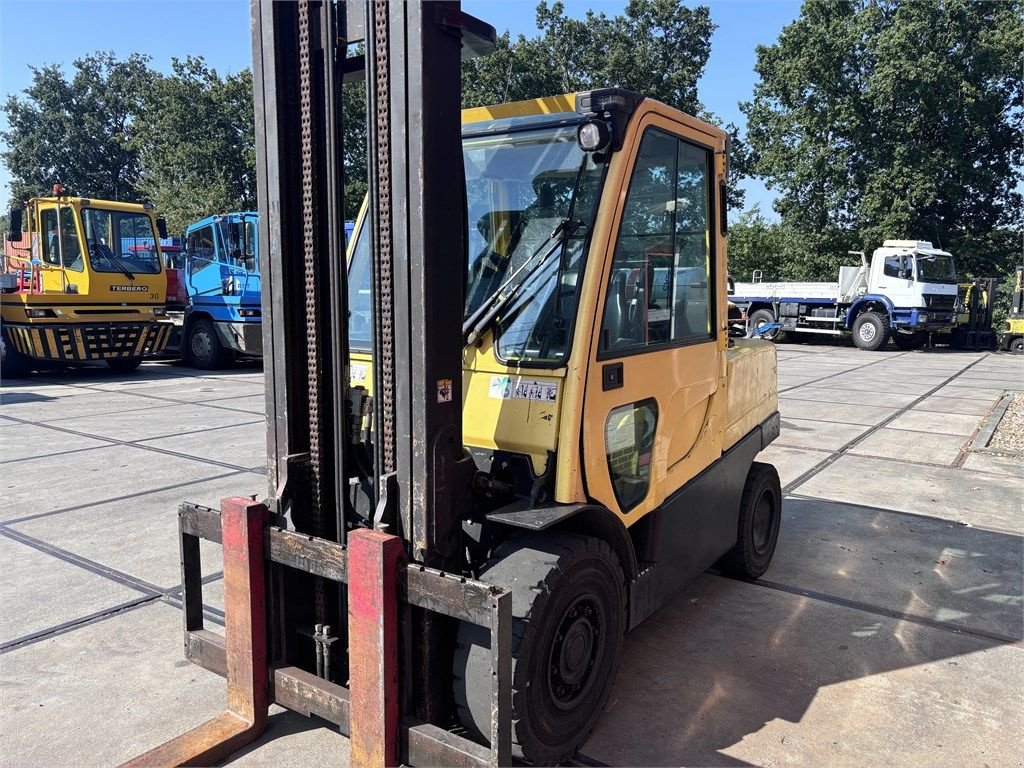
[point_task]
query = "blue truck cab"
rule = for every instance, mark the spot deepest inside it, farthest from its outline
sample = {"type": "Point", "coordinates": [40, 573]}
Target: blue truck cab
{"type": "Point", "coordinates": [221, 278]}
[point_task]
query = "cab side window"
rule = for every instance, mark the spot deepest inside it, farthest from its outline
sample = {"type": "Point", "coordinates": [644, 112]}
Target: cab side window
{"type": "Point", "coordinates": [895, 266]}
{"type": "Point", "coordinates": [69, 238]}
{"type": "Point", "coordinates": [200, 248]}
{"type": "Point", "coordinates": [659, 290]}
{"type": "Point", "coordinates": [50, 237]}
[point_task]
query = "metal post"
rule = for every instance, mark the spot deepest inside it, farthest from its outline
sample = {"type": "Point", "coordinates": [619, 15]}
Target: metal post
{"type": "Point", "coordinates": [245, 635]}
{"type": "Point", "coordinates": [373, 562]}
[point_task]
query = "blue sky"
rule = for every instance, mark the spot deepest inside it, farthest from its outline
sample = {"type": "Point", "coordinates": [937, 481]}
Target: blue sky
{"type": "Point", "coordinates": [37, 32]}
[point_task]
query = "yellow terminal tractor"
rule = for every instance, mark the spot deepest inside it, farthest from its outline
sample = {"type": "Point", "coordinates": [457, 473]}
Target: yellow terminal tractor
{"type": "Point", "coordinates": [1012, 336]}
{"type": "Point", "coordinates": [503, 431]}
{"type": "Point", "coordinates": [76, 285]}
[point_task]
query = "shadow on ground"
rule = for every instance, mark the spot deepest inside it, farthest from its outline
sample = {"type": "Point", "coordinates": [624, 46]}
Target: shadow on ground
{"type": "Point", "coordinates": [726, 666]}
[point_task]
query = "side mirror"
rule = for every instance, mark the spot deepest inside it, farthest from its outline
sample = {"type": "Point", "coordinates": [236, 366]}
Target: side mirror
{"type": "Point", "coordinates": [161, 227]}
{"type": "Point", "coordinates": [730, 285]}
{"type": "Point", "coordinates": [14, 222]}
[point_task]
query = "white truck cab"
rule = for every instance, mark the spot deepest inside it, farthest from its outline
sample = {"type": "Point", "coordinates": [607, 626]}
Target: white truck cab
{"type": "Point", "coordinates": [917, 277]}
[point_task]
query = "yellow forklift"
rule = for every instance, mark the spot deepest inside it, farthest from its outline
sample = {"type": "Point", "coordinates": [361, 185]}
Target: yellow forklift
{"type": "Point", "coordinates": [76, 287]}
{"type": "Point", "coordinates": [1012, 337]}
{"type": "Point", "coordinates": [504, 431]}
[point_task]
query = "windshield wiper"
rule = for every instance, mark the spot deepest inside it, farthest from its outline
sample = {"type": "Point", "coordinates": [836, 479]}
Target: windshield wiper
{"type": "Point", "coordinates": [477, 323]}
{"type": "Point", "coordinates": [115, 260]}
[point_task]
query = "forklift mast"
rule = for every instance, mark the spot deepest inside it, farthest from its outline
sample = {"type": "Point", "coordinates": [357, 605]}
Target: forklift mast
{"type": "Point", "coordinates": [310, 582]}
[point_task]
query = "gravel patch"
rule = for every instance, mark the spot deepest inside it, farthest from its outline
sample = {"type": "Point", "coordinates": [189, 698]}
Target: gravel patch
{"type": "Point", "coordinates": [1009, 435]}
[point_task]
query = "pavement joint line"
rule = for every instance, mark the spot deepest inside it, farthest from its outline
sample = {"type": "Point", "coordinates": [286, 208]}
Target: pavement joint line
{"type": "Point", "coordinates": [83, 621]}
{"type": "Point", "coordinates": [209, 612]}
{"type": "Point", "coordinates": [101, 413]}
{"type": "Point", "coordinates": [197, 431]}
{"type": "Point", "coordinates": [125, 497]}
{"type": "Point", "coordinates": [842, 450]}
{"type": "Point", "coordinates": [878, 610]}
{"type": "Point", "coordinates": [52, 455]}
{"type": "Point", "coordinates": [842, 373]}
{"type": "Point", "coordinates": [909, 515]}
{"type": "Point", "coordinates": [124, 579]}
{"type": "Point", "coordinates": [170, 400]}
{"type": "Point", "coordinates": [115, 441]}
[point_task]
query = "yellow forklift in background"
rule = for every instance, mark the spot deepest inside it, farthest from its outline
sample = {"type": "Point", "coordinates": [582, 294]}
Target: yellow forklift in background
{"type": "Point", "coordinates": [75, 287]}
{"type": "Point", "coordinates": [1012, 336]}
{"type": "Point", "coordinates": [504, 431]}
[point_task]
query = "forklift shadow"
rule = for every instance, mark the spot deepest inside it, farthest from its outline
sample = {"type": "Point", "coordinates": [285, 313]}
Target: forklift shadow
{"type": "Point", "coordinates": [780, 671]}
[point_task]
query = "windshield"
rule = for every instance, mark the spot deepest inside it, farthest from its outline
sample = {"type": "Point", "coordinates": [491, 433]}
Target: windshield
{"type": "Point", "coordinates": [935, 269]}
{"type": "Point", "coordinates": [120, 241]}
{"type": "Point", "coordinates": [519, 187]}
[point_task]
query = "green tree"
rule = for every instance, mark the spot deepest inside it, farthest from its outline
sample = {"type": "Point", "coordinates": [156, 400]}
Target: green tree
{"type": "Point", "coordinates": [885, 119]}
{"type": "Point", "coordinates": [78, 129]}
{"type": "Point", "coordinates": [196, 144]}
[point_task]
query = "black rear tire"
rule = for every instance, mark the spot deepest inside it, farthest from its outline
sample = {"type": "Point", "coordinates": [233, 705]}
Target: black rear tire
{"type": "Point", "coordinates": [124, 364]}
{"type": "Point", "coordinates": [759, 524]}
{"type": "Point", "coordinates": [1017, 346]}
{"type": "Point", "coordinates": [871, 331]}
{"type": "Point", "coordinates": [569, 618]}
{"type": "Point", "coordinates": [765, 317]}
{"type": "Point", "coordinates": [13, 364]}
{"type": "Point", "coordinates": [909, 341]}
{"type": "Point", "coordinates": [202, 347]}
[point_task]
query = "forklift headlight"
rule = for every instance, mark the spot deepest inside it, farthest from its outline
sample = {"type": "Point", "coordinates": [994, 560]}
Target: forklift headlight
{"type": "Point", "coordinates": [593, 135]}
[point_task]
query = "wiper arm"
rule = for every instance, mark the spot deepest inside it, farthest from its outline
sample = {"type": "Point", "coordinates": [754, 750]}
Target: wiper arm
{"type": "Point", "coordinates": [477, 323]}
{"type": "Point", "coordinates": [115, 260]}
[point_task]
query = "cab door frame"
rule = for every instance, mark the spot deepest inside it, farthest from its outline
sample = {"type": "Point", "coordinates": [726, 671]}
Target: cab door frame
{"type": "Point", "coordinates": [682, 377]}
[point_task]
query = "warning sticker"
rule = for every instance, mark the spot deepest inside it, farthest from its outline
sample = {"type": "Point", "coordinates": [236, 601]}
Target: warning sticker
{"type": "Point", "coordinates": [359, 373]}
{"type": "Point", "coordinates": [444, 390]}
{"type": "Point", "coordinates": [516, 388]}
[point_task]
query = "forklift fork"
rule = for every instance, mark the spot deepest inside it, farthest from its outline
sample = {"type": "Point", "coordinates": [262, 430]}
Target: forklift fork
{"type": "Point", "coordinates": [381, 728]}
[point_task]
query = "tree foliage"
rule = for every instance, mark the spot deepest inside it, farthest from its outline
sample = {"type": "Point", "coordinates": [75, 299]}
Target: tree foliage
{"type": "Point", "coordinates": [78, 129]}
{"type": "Point", "coordinates": [196, 144]}
{"type": "Point", "coordinates": [882, 119]}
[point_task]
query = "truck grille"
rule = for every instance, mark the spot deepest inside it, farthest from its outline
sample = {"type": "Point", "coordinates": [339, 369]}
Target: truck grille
{"type": "Point", "coordinates": [95, 341]}
{"type": "Point", "coordinates": [939, 301]}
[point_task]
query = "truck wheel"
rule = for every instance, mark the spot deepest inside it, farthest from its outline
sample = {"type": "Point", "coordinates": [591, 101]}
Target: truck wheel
{"type": "Point", "coordinates": [124, 364]}
{"type": "Point", "coordinates": [1017, 345]}
{"type": "Point", "coordinates": [13, 364]}
{"type": "Point", "coordinates": [909, 341]}
{"type": "Point", "coordinates": [765, 317]}
{"type": "Point", "coordinates": [871, 331]}
{"type": "Point", "coordinates": [203, 348]}
{"type": "Point", "coordinates": [760, 520]}
{"type": "Point", "coordinates": [568, 622]}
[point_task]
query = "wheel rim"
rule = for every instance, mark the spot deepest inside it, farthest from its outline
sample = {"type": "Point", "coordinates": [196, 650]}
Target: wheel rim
{"type": "Point", "coordinates": [763, 522]}
{"type": "Point", "coordinates": [202, 345]}
{"type": "Point", "coordinates": [578, 646]}
{"type": "Point", "coordinates": [867, 332]}
{"type": "Point", "coordinates": [1018, 345]}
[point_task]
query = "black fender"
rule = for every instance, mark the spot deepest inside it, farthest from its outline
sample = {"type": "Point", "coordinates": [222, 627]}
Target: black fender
{"type": "Point", "coordinates": [589, 519]}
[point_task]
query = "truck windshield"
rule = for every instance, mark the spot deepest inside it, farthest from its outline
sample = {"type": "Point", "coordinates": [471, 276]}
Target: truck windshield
{"type": "Point", "coordinates": [120, 241]}
{"type": "Point", "coordinates": [238, 242]}
{"type": "Point", "coordinates": [935, 269]}
{"type": "Point", "coordinates": [521, 184]}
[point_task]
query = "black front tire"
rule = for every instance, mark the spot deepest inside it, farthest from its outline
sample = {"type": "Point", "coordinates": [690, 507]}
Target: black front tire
{"type": "Point", "coordinates": [870, 331]}
{"type": "Point", "coordinates": [765, 317]}
{"type": "Point", "coordinates": [1017, 346]}
{"type": "Point", "coordinates": [13, 364]}
{"type": "Point", "coordinates": [569, 619]}
{"type": "Point", "coordinates": [908, 342]}
{"type": "Point", "coordinates": [759, 524]}
{"type": "Point", "coordinates": [124, 364]}
{"type": "Point", "coordinates": [203, 348]}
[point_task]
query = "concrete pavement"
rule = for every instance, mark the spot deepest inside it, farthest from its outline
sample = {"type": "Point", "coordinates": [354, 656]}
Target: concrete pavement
{"type": "Point", "coordinates": [888, 629]}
